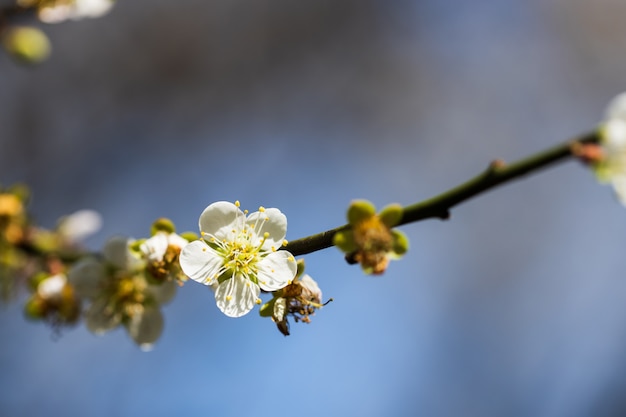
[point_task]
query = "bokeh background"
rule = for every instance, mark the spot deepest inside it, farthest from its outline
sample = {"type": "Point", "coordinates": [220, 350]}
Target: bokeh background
{"type": "Point", "coordinates": [516, 306]}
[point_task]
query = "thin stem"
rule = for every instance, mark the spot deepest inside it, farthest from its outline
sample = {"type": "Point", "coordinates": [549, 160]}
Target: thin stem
{"type": "Point", "coordinates": [439, 206]}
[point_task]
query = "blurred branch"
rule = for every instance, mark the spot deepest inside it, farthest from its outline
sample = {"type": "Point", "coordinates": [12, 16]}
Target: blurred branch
{"type": "Point", "coordinates": [439, 206]}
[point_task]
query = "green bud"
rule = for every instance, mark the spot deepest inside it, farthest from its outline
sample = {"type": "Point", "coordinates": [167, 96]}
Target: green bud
{"type": "Point", "coordinates": [391, 215]}
{"type": "Point", "coordinates": [163, 225]}
{"type": "Point", "coordinates": [35, 308]}
{"type": "Point", "coordinates": [360, 210]}
{"type": "Point", "coordinates": [400, 244]}
{"type": "Point", "coordinates": [27, 44]}
{"type": "Point", "coordinates": [344, 240]}
{"type": "Point", "coordinates": [190, 236]}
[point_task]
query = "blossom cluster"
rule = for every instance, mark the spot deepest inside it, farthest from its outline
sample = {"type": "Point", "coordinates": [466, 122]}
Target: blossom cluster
{"type": "Point", "coordinates": [29, 44]}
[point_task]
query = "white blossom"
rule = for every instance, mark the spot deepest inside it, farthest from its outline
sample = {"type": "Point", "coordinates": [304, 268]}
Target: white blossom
{"type": "Point", "coordinates": [612, 166]}
{"type": "Point", "coordinates": [238, 255]}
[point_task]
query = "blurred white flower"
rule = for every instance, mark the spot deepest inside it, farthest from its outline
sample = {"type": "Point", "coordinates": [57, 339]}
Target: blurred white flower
{"type": "Point", "coordinates": [239, 254]}
{"type": "Point", "coordinates": [611, 167]}
{"type": "Point", "coordinates": [51, 288]}
{"type": "Point", "coordinates": [156, 247]}
{"type": "Point", "coordinates": [79, 225]}
{"type": "Point", "coordinates": [60, 11]}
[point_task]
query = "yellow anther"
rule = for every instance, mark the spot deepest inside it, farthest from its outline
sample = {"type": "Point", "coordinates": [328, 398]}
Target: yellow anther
{"type": "Point", "coordinates": [202, 233]}
{"type": "Point", "coordinates": [266, 219]}
{"type": "Point", "coordinates": [285, 242]}
{"type": "Point", "coordinates": [247, 284]}
{"type": "Point", "coordinates": [245, 212]}
{"type": "Point", "coordinates": [258, 301]}
{"type": "Point", "coordinates": [291, 258]}
{"type": "Point", "coordinates": [262, 209]}
{"type": "Point", "coordinates": [273, 248]}
{"type": "Point", "coordinates": [237, 203]}
{"type": "Point", "coordinates": [289, 282]}
{"type": "Point", "coordinates": [203, 249]}
{"type": "Point", "coordinates": [273, 270]}
{"type": "Point", "coordinates": [266, 235]}
{"type": "Point", "coordinates": [228, 298]}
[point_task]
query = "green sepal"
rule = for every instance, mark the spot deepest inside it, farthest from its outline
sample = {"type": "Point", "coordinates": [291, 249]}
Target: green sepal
{"type": "Point", "coordinates": [391, 214]}
{"type": "Point", "coordinates": [35, 308]}
{"type": "Point", "coordinates": [400, 244]}
{"type": "Point", "coordinates": [36, 279]}
{"type": "Point", "coordinates": [360, 210]}
{"type": "Point", "coordinates": [135, 246]}
{"type": "Point", "coordinates": [344, 240]}
{"type": "Point", "coordinates": [190, 236]}
{"type": "Point", "coordinates": [300, 266]}
{"type": "Point", "coordinates": [267, 309]}
{"type": "Point", "coordinates": [162, 225]}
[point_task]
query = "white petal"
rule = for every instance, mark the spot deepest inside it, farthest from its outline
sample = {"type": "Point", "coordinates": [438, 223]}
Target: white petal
{"type": "Point", "coordinates": [163, 293]}
{"type": "Point", "coordinates": [276, 270]}
{"type": "Point", "coordinates": [200, 262]}
{"type": "Point", "coordinates": [88, 276]}
{"type": "Point", "coordinates": [117, 253]}
{"type": "Point", "coordinates": [79, 225]}
{"type": "Point", "coordinates": [220, 219]}
{"type": "Point", "coordinates": [155, 247]}
{"type": "Point", "coordinates": [617, 108]}
{"type": "Point", "coordinates": [146, 327]}
{"type": "Point", "coordinates": [236, 296]}
{"type": "Point", "coordinates": [177, 240]}
{"type": "Point", "coordinates": [619, 186]}
{"type": "Point", "coordinates": [101, 317]}
{"type": "Point", "coordinates": [273, 222]}
{"type": "Point", "coordinates": [614, 135]}
{"type": "Point", "coordinates": [51, 287]}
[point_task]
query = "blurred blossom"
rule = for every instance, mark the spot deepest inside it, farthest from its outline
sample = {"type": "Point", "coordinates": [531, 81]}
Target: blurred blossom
{"type": "Point", "coordinates": [121, 293]}
{"type": "Point", "coordinates": [161, 252]}
{"type": "Point", "coordinates": [79, 225]}
{"type": "Point", "coordinates": [53, 301]}
{"type": "Point", "coordinates": [58, 11]}
{"type": "Point", "coordinates": [610, 164]}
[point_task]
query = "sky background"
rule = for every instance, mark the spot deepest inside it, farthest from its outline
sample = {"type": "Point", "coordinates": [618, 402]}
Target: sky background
{"type": "Point", "coordinates": [514, 307]}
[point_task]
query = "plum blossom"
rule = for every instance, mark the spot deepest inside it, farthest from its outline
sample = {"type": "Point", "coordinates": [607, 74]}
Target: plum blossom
{"type": "Point", "coordinates": [611, 164]}
{"type": "Point", "coordinates": [238, 255]}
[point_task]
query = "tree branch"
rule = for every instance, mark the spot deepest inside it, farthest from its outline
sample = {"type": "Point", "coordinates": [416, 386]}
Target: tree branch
{"type": "Point", "coordinates": [439, 206]}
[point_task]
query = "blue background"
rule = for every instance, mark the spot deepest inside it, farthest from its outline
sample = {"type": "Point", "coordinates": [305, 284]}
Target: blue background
{"type": "Point", "coordinates": [514, 307]}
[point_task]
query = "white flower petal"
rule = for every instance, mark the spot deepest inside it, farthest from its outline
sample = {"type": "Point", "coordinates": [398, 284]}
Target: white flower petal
{"type": "Point", "coordinates": [200, 262]}
{"type": "Point", "coordinates": [117, 252]}
{"type": "Point", "coordinates": [273, 222]}
{"type": "Point", "coordinates": [220, 218]}
{"type": "Point", "coordinates": [101, 317]}
{"type": "Point", "coordinates": [88, 276]}
{"type": "Point", "coordinates": [163, 293]}
{"type": "Point", "coordinates": [79, 225]}
{"type": "Point", "coordinates": [236, 296]}
{"type": "Point", "coordinates": [176, 240]}
{"type": "Point", "coordinates": [154, 248]}
{"type": "Point", "coordinates": [146, 327]}
{"type": "Point", "coordinates": [617, 108]}
{"type": "Point", "coordinates": [276, 270]}
{"type": "Point", "coordinates": [51, 287]}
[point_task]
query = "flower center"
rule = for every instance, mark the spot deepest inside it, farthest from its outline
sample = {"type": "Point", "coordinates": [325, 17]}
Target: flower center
{"type": "Point", "coordinates": [241, 254]}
